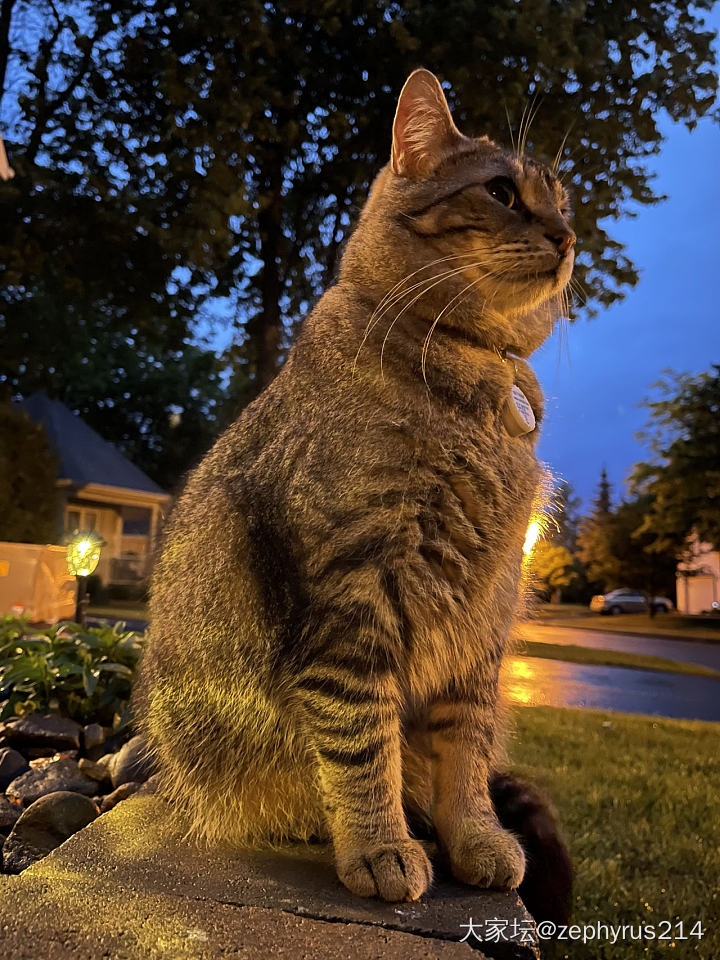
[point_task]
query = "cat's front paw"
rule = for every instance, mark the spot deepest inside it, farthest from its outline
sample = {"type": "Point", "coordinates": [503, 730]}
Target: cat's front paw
{"type": "Point", "coordinates": [392, 871]}
{"type": "Point", "coordinates": [488, 857]}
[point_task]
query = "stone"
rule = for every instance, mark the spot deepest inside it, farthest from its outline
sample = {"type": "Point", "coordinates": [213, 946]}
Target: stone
{"type": "Point", "coordinates": [55, 775]}
{"type": "Point", "coordinates": [93, 735]}
{"type": "Point", "coordinates": [9, 813]}
{"type": "Point", "coordinates": [122, 792]}
{"type": "Point", "coordinates": [98, 771]}
{"type": "Point", "coordinates": [43, 826]}
{"type": "Point", "coordinates": [69, 919]}
{"type": "Point", "coordinates": [12, 765]}
{"type": "Point", "coordinates": [138, 849]}
{"type": "Point", "coordinates": [111, 744]}
{"type": "Point", "coordinates": [40, 731]}
{"type": "Point", "coordinates": [131, 763]}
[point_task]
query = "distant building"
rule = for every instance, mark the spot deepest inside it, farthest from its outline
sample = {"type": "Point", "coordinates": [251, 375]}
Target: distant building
{"type": "Point", "coordinates": [101, 490]}
{"type": "Point", "coordinates": [698, 579]}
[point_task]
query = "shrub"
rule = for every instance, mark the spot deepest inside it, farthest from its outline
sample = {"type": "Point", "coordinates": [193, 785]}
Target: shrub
{"type": "Point", "coordinates": [84, 674]}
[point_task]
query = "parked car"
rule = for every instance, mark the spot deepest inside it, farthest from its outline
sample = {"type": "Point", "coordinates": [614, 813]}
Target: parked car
{"type": "Point", "coordinates": [662, 605]}
{"type": "Point", "coordinates": [628, 601]}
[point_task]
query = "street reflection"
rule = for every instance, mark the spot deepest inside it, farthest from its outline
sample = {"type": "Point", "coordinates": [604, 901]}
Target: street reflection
{"type": "Point", "coordinates": [532, 681]}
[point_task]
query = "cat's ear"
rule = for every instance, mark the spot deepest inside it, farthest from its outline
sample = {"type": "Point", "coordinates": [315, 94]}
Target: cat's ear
{"type": "Point", "coordinates": [423, 131]}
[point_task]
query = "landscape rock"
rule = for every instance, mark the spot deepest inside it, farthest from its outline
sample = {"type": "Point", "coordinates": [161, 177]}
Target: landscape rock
{"type": "Point", "coordinates": [43, 826]}
{"type": "Point", "coordinates": [9, 813]}
{"type": "Point", "coordinates": [97, 770]}
{"type": "Point", "coordinates": [93, 735]}
{"type": "Point", "coordinates": [131, 763]}
{"type": "Point", "coordinates": [12, 765]}
{"type": "Point", "coordinates": [122, 792]}
{"type": "Point", "coordinates": [63, 774]}
{"type": "Point", "coordinates": [43, 731]}
{"type": "Point", "coordinates": [110, 744]}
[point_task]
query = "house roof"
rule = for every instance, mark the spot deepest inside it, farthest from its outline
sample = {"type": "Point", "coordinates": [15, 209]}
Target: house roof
{"type": "Point", "coordinates": [84, 456]}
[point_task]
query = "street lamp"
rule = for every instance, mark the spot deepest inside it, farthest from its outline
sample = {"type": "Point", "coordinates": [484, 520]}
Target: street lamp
{"type": "Point", "coordinates": [82, 555]}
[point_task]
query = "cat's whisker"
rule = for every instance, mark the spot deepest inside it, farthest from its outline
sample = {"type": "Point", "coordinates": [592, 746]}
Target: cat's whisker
{"type": "Point", "coordinates": [510, 129]}
{"type": "Point", "coordinates": [426, 343]}
{"type": "Point", "coordinates": [558, 155]}
{"type": "Point", "coordinates": [379, 313]}
{"type": "Point", "coordinates": [536, 104]}
{"type": "Point", "coordinates": [418, 297]}
{"type": "Point", "coordinates": [380, 309]}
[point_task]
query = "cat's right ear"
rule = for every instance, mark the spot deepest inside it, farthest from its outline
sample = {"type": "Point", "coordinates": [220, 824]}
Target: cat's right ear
{"type": "Point", "coordinates": [423, 131]}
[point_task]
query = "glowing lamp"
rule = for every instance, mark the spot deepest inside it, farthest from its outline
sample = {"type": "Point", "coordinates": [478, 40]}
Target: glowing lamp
{"type": "Point", "coordinates": [83, 554]}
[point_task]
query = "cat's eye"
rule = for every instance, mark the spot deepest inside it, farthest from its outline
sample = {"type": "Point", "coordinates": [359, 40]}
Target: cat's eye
{"type": "Point", "coordinates": [503, 190]}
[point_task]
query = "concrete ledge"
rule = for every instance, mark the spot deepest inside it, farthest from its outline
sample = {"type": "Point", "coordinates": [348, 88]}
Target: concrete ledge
{"type": "Point", "coordinates": [127, 886]}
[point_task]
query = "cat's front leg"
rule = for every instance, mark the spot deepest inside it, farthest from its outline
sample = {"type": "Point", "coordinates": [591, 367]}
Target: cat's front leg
{"type": "Point", "coordinates": [351, 724]}
{"type": "Point", "coordinates": [480, 851]}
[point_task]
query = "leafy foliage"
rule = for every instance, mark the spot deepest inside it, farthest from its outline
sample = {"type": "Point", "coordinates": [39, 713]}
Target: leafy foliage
{"type": "Point", "coordinates": [28, 497]}
{"type": "Point", "coordinates": [619, 550]}
{"type": "Point", "coordinates": [552, 567]}
{"type": "Point", "coordinates": [683, 480]}
{"type": "Point", "coordinates": [196, 153]}
{"type": "Point", "coordinates": [82, 674]}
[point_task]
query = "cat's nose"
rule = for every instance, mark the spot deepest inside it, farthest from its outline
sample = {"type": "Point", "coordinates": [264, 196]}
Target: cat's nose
{"type": "Point", "coordinates": [563, 239]}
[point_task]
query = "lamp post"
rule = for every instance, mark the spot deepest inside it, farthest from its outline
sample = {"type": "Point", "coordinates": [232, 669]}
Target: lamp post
{"type": "Point", "coordinates": [82, 555]}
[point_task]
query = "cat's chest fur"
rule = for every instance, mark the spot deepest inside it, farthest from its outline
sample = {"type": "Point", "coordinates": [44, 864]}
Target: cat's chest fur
{"type": "Point", "coordinates": [473, 493]}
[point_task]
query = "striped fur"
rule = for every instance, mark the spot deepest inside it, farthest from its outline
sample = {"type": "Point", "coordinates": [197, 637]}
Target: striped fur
{"type": "Point", "coordinates": [340, 576]}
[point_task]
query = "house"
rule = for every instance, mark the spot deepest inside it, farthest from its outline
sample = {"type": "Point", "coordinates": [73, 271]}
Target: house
{"type": "Point", "coordinates": [698, 579]}
{"type": "Point", "coordinates": [100, 489]}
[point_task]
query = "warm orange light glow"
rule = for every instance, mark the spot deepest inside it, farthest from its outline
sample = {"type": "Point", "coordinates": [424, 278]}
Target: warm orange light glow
{"type": "Point", "coordinates": [531, 536]}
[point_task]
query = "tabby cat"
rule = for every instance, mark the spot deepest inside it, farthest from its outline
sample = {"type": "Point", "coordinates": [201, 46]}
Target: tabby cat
{"type": "Point", "coordinates": [340, 576]}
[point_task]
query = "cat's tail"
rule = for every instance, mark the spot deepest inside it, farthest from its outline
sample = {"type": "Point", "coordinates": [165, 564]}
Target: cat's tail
{"type": "Point", "coordinates": [546, 889]}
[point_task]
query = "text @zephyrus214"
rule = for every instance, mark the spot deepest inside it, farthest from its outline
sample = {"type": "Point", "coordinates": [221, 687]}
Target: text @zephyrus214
{"type": "Point", "coordinates": [497, 929]}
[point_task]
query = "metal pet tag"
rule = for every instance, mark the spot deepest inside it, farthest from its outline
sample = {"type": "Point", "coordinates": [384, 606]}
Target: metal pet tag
{"type": "Point", "coordinates": [517, 414]}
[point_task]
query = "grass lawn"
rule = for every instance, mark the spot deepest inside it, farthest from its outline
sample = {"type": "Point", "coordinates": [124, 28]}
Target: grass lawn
{"type": "Point", "coordinates": [610, 658]}
{"type": "Point", "coordinates": [674, 625]}
{"type": "Point", "coordinates": [638, 800]}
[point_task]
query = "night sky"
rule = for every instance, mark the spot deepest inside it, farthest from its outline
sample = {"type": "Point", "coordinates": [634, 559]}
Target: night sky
{"type": "Point", "coordinates": [671, 319]}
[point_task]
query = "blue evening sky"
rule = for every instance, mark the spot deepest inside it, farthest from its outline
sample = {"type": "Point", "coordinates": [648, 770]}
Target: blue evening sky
{"type": "Point", "coordinates": [671, 319]}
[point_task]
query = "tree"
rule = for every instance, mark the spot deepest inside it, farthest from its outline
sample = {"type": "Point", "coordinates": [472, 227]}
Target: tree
{"type": "Point", "coordinates": [553, 569]}
{"type": "Point", "coordinates": [595, 545]}
{"type": "Point", "coordinates": [682, 480]}
{"type": "Point", "coordinates": [90, 307]}
{"type": "Point", "coordinates": [562, 528]}
{"type": "Point", "coordinates": [194, 150]}
{"type": "Point", "coordinates": [28, 497]}
{"type": "Point", "coordinates": [635, 563]}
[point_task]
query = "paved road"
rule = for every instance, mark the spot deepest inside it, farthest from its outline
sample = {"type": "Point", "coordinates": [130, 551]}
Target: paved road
{"type": "Point", "coordinates": [706, 654]}
{"type": "Point", "coordinates": [533, 681]}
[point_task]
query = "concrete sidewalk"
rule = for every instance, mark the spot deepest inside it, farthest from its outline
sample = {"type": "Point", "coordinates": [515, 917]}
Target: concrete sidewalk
{"type": "Point", "coordinates": [127, 887]}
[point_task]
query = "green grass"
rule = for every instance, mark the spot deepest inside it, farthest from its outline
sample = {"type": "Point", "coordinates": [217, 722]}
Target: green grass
{"type": "Point", "coordinates": [673, 625]}
{"type": "Point", "coordinates": [637, 798]}
{"type": "Point", "coordinates": [610, 658]}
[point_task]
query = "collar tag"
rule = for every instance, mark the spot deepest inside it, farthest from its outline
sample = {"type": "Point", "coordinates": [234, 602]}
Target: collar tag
{"type": "Point", "coordinates": [517, 414]}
